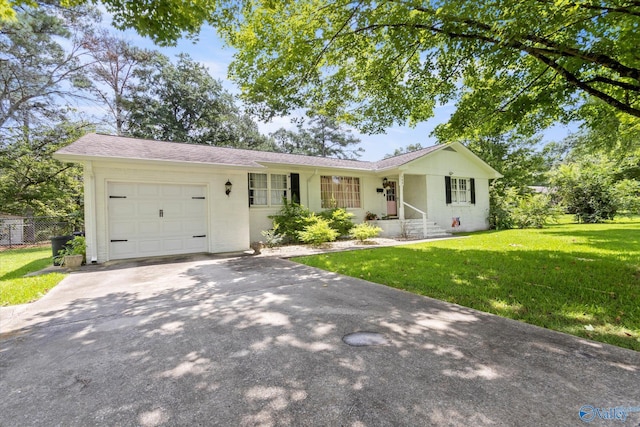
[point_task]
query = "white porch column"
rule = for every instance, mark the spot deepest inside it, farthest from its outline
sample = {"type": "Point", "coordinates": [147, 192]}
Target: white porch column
{"type": "Point", "coordinates": [401, 196]}
{"type": "Point", "coordinates": [90, 226]}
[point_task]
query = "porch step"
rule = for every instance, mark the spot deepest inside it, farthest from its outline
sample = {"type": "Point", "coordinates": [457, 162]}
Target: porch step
{"type": "Point", "coordinates": [412, 228]}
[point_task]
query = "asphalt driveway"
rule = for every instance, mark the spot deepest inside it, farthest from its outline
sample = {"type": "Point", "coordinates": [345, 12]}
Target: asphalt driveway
{"type": "Point", "coordinates": [259, 341]}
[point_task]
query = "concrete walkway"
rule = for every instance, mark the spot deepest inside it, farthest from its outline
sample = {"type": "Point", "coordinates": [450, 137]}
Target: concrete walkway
{"type": "Point", "coordinates": [254, 341]}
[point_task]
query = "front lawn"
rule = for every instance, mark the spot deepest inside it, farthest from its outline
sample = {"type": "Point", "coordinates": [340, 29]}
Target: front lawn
{"type": "Point", "coordinates": [582, 279]}
{"type": "Point", "coordinates": [14, 264]}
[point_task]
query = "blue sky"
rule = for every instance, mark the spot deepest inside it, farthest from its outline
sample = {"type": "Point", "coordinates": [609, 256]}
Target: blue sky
{"type": "Point", "coordinates": [211, 52]}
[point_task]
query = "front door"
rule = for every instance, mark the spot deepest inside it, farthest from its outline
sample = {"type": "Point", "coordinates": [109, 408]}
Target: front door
{"type": "Point", "coordinates": [392, 204]}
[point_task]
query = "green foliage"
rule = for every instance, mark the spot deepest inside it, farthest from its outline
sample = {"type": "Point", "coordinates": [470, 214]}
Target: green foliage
{"type": "Point", "coordinates": [273, 237]}
{"type": "Point", "coordinates": [32, 181]}
{"type": "Point", "coordinates": [509, 209]}
{"type": "Point", "coordinates": [627, 193]}
{"type": "Point", "coordinates": [317, 231]}
{"type": "Point", "coordinates": [404, 150]}
{"type": "Point", "coordinates": [181, 102]}
{"type": "Point", "coordinates": [75, 246]}
{"type": "Point", "coordinates": [15, 288]}
{"type": "Point", "coordinates": [339, 219]}
{"type": "Point", "coordinates": [502, 201]}
{"type": "Point", "coordinates": [290, 220]}
{"type": "Point", "coordinates": [586, 190]}
{"type": "Point", "coordinates": [364, 231]}
{"type": "Point", "coordinates": [573, 278]}
{"type": "Point", "coordinates": [324, 137]}
{"type": "Point", "coordinates": [534, 211]}
{"type": "Point", "coordinates": [376, 64]}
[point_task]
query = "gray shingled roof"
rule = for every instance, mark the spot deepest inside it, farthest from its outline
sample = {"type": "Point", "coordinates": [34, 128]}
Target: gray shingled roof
{"type": "Point", "coordinates": [118, 147]}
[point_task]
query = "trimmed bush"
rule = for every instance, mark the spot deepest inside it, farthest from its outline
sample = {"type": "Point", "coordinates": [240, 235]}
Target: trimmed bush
{"type": "Point", "coordinates": [291, 220]}
{"type": "Point", "coordinates": [364, 231]}
{"type": "Point", "coordinates": [339, 219]}
{"type": "Point", "coordinates": [317, 232]}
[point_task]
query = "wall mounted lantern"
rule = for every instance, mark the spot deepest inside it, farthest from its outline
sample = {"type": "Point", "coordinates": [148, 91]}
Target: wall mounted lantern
{"type": "Point", "coordinates": [227, 187]}
{"type": "Point", "coordinates": [385, 182]}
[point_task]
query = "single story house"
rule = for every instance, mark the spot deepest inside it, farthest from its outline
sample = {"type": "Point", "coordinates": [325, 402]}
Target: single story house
{"type": "Point", "coordinates": [152, 198]}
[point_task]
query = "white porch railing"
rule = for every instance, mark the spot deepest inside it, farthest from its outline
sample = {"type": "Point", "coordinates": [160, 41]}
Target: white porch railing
{"type": "Point", "coordinates": [424, 218]}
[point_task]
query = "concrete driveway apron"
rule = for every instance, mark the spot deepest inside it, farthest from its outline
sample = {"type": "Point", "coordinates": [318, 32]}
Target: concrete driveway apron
{"type": "Point", "coordinates": [259, 341]}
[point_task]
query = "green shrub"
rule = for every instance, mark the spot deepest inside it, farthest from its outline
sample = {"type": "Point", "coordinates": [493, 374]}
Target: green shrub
{"type": "Point", "coordinates": [587, 191]}
{"type": "Point", "coordinates": [339, 219]}
{"type": "Point", "coordinates": [317, 232]}
{"type": "Point", "coordinates": [533, 211]}
{"type": "Point", "coordinates": [75, 246]}
{"type": "Point", "coordinates": [501, 203]}
{"type": "Point", "coordinates": [273, 237]}
{"type": "Point", "coordinates": [364, 231]}
{"type": "Point", "coordinates": [627, 193]}
{"type": "Point", "coordinates": [291, 220]}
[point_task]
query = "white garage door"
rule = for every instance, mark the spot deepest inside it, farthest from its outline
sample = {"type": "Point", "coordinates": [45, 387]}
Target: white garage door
{"type": "Point", "coordinates": [156, 219]}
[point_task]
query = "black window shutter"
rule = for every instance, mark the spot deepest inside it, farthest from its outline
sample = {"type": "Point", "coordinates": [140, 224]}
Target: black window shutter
{"type": "Point", "coordinates": [447, 188]}
{"type": "Point", "coordinates": [295, 188]}
{"type": "Point", "coordinates": [472, 183]}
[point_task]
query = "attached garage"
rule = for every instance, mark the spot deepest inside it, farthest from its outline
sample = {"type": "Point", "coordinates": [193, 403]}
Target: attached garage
{"type": "Point", "coordinates": [149, 219]}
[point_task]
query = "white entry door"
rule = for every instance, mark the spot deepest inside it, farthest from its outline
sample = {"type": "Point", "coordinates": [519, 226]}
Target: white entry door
{"type": "Point", "coordinates": [156, 219]}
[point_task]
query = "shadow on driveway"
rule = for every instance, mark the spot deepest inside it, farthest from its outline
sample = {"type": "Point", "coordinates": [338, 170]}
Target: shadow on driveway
{"type": "Point", "coordinates": [258, 341]}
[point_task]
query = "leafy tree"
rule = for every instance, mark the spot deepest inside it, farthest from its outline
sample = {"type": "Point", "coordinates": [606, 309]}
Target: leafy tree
{"type": "Point", "coordinates": [586, 190]}
{"type": "Point", "coordinates": [38, 73]}
{"type": "Point", "coordinates": [182, 102]}
{"type": "Point", "coordinates": [517, 158]}
{"type": "Point", "coordinates": [324, 137]}
{"type": "Point", "coordinates": [408, 149]}
{"type": "Point", "coordinates": [112, 70]}
{"type": "Point", "coordinates": [31, 181]}
{"type": "Point", "coordinates": [522, 64]}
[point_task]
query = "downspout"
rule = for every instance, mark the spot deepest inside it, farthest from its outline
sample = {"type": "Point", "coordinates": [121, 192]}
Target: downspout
{"type": "Point", "coordinates": [90, 213]}
{"type": "Point", "coordinates": [315, 172]}
{"type": "Point", "coordinates": [401, 194]}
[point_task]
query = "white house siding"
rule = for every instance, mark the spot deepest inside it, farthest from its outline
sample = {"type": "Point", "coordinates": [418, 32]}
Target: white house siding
{"type": "Point", "coordinates": [310, 197]}
{"type": "Point", "coordinates": [228, 216]}
{"type": "Point", "coordinates": [458, 164]}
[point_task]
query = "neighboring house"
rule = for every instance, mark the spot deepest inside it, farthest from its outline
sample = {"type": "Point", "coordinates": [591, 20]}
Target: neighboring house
{"type": "Point", "coordinates": [151, 198]}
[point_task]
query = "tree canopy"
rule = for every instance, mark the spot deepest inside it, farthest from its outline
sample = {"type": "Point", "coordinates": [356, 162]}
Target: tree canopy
{"type": "Point", "coordinates": [506, 64]}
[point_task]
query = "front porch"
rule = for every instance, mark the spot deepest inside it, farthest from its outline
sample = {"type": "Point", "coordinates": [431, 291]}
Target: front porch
{"type": "Point", "coordinates": [409, 229]}
{"type": "Point", "coordinates": [406, 208]}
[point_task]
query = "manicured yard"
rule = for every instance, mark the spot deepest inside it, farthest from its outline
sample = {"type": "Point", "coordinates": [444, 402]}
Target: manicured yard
{"type": "Point", "coordinates": [579, 279]}
{"type": "Point", "coordinates": [14, 264]}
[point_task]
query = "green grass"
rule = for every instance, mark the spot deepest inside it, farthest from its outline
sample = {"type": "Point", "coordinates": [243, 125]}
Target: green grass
{"type": "Point", "coordinates": [582, 279]}
{"type": "Point", "coordinates": [14, 264]}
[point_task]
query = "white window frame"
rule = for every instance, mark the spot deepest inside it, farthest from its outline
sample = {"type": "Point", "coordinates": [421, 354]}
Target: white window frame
{"type": "Point", "coordinates": [349, 186]}
{"type": "Point", "coordinates": [271, 194]}
{"type": "Point", "coordinates": [460, 191]}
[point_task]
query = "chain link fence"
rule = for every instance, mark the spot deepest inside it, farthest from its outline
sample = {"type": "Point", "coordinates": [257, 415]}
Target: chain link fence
{"type": "Point", "coordinates": [16, 231]}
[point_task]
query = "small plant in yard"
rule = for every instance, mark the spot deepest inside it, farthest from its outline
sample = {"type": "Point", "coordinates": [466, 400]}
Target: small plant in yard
{"type": "Point", "coordinates": [318, 232]}
{"type": "Point", "coordinates": [75, 246]}
{"type": "Point", "coordinates": [291, 219]}
{"type": "Point", "coordinates": [272, 237]}
{"type": "Point", "coordinates": [364, 231]}
{"type": "Point", "coordinates": [370, 216]}
{"type": "Point", "coordinates": [339, 219]}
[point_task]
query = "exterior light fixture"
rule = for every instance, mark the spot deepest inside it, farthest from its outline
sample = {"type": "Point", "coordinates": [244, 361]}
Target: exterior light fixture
{"type": "Point", "coordinates": [385, 182]}
{"type": "Point", "coordinates": [227, 187]}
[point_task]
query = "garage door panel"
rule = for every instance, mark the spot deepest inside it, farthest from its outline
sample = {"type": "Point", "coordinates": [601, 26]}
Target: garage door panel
{"type": "Point", "coordinates": [156, 219]}
{"type": "Point", "coordinates": [148, 190]}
